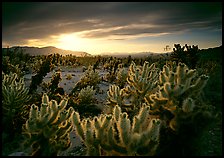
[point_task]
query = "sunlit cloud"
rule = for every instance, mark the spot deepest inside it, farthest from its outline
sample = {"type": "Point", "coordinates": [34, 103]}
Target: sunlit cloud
{"type": "Point", "coordinates": [102, 26]}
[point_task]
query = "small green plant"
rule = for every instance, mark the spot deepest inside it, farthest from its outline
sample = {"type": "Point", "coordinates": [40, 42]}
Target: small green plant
{"type": "Point", "coordinates": [90, 78]}
{"type": "Point", "coordinates": [85, 102]}
{"type": "Point", "coordinates": [68, 76]}
{"type": "Point", "coordinates": [86, 95]}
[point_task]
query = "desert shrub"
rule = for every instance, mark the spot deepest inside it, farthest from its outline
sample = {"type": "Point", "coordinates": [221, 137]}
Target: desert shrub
{"type": "Point", "coordinates": [86, 95]}
{"type": "Point", "coordinates": [85, 102]}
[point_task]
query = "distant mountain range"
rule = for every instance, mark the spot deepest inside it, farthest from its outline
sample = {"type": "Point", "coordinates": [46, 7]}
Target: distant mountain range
{"type": "Point", "coordinates": [49, 50]}
{"type": "Point", "coordinates": [134, 54]}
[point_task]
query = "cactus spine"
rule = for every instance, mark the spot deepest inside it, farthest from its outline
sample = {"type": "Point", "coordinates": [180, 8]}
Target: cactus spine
{"type": "Point", "coordinates": [48, 127]}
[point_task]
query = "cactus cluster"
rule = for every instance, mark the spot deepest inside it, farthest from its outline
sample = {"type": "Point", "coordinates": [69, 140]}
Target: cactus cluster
{"type": "Point", "coordinates": [141, 81]}
{"type": "Point", "coordinates": [121, 79]}
{"type": "Point", "coordinates": [45, 67]}
{"type": "Point", "coordinates": [36, 65]}
{"type": "Point", "coordinates": [116, 134]}
{"type": "Point", "coordinates": [112, 67]}
{"type": "Point", "coordinates": [171, 94]}
{"type": "Point", "coordinates": [110, 76]}
{"type": "Point", "coordinates": [14, 60]}
{"type": "Point", "coordinates": [56, 78]}
{"type": "Point", "coordinates": [52, 88]}
{"type": "Point", "coordinates": [48, 128]}
{"type": "Point", "coordinates": [189, 56]}
{"type": "Point", "coordinates": [178, 90]}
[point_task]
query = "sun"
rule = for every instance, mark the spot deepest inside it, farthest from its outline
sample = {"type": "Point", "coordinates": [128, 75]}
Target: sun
{"type": "Point", "coordinates": [70, 42]}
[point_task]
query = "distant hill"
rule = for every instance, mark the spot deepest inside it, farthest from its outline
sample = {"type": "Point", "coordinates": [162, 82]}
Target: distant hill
{"type": "Point", "coordinates": [211, 53]}
{"type": "Point", "coordinates": [49, 50]}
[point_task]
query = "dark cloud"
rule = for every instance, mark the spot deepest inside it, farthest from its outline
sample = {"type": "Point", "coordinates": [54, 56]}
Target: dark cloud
{"type": "Point", "coordinates": [37, 20]}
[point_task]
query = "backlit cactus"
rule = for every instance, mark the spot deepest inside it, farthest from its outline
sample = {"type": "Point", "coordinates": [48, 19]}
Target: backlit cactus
{"type": "Point", "coordinates": [48, 128]}
{"type": "Point", "coordinates": [178, 91]}
{"type": "Point", "coordinates": [121, 78]}
{"type": "Point", "coordinates": [14, 92]}
{"type": "Point", "coordinates": [116, 134]}
{"type": "Point", "coordinates": [15, 97]}
{"type": "Point", "coordinates": [141, 82]}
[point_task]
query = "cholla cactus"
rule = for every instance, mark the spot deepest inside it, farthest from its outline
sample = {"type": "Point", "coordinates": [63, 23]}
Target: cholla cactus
{"type": "Point", "coordinates": [14, 92]}
{"type": "Point", "coordinates": [56, 78]}
{"type": "Point", "coordinates": [178, 90]}
{"type": "Point", "coordinates": [116, 134]}
{"type": "Point", "coordinates": [121, 77]}
{"type": "Point", "coordinates": [48, 127]}
{"type": "Point", "coordinates": [15, 96]}
{"type": "Point", "coordinates": [110, 76]}
{"type": "Point", "coordinates": [142, 81]}
{"type": "Point", "coordinates": [86, 95]}
{"type": "Point", "coordinates": [45, 67]}
{"type": "Point", "coordinates": [115, 96]}
{"type": "Point", "coordinates": [36, 65]}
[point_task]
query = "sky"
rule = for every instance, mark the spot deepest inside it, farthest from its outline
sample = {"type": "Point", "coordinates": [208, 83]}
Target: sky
{"type": "Point", "coordinates": [101, 27]}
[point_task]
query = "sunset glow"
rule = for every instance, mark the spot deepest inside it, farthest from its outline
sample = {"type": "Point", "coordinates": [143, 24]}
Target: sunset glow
{"type": "Point", "coordinates": [70, 42]}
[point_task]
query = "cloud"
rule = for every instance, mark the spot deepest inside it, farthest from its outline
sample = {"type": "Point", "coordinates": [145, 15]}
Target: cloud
{"type": "Point", "coordinates": [111, 20]}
